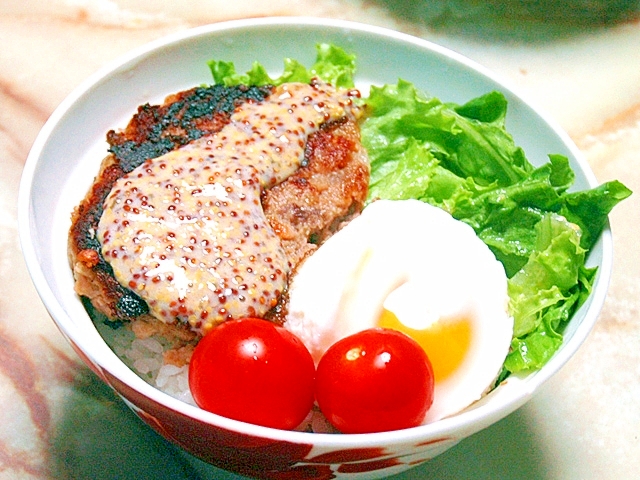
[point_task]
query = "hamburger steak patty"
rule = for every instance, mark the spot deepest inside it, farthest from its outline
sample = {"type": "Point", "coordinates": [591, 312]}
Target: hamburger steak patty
{"type": "Point", "coordinates": [328, 189]}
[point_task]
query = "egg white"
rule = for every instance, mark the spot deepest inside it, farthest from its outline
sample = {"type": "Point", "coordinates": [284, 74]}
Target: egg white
{"type": "Point", "coordinates": [418, 262]}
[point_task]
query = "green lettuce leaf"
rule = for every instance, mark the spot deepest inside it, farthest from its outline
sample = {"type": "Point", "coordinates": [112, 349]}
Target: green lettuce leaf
{"type": "Point", "coordinates": [549, 274]}
{"type": "Point", "coordinates": [466, 145]}
{"type": "Point", "coordinates": [589, 209]}
{"type": "Point", "coordinates": [333, 65]}
{"type": "Point", "coordinates": [532, 350]}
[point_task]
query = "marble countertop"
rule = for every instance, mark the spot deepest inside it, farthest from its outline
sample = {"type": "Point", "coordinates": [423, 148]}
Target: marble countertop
{"type": "Point", "coordinates": [581, 65]}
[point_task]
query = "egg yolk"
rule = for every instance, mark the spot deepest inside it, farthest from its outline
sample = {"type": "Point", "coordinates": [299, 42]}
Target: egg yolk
{"type": "Point", "coordinates": [446, 343]}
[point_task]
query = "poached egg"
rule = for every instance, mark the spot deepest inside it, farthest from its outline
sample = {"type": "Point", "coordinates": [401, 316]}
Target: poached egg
{"type": "Point", "coordinates": [412, 267]}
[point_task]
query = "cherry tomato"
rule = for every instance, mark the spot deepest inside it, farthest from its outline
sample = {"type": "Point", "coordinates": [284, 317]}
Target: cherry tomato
{"type": "Point", "coordinates": [373, 381]}
{"type": "Point", "coordinates": [254, 371]}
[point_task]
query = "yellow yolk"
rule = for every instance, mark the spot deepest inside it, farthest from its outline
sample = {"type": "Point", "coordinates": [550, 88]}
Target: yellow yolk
{"type": "Point", "coordinates": [446, 343]}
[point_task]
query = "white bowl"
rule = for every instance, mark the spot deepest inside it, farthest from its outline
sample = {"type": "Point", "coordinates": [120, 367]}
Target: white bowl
{"type": "Point", "coordinates": [66, 156]}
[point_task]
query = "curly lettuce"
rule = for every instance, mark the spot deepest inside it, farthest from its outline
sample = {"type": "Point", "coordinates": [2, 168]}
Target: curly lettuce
{"type": "Point", "coordinates": [333, 65]}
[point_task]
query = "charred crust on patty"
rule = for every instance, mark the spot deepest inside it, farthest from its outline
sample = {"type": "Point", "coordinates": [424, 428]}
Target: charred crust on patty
{"type": "Point", "coordinates": [182, 118]}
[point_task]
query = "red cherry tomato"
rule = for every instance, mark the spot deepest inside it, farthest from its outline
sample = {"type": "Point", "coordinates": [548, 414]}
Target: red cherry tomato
{"type": "Point", "coordinates": [254, 371]}
{"type": "Point", "coordinates": [373, 381]}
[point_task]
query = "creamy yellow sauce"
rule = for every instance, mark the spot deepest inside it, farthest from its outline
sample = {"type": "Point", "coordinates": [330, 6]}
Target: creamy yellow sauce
{"type": "Point", "coordinates": [186, 231]}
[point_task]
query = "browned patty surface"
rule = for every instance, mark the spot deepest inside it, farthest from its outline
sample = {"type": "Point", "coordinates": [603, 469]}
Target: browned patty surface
{"type": "Point", "coordinates": [304, 210]}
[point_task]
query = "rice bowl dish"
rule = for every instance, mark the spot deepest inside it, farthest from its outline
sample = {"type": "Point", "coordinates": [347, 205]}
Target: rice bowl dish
{"type": "Point", "coordinates": [165, 414]}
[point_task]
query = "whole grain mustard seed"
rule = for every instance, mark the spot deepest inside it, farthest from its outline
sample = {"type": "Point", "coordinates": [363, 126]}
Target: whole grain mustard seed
{"type": "Point", "coordinates": [188, 229]}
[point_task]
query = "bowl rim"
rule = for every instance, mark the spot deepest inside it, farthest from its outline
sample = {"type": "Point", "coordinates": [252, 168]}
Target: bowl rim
{"type": "Point", "coordinates": [446, 428]}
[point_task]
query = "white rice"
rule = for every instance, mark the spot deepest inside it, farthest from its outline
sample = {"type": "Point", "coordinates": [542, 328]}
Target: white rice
{"type": "Point", "coordinates": [144, 356]}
